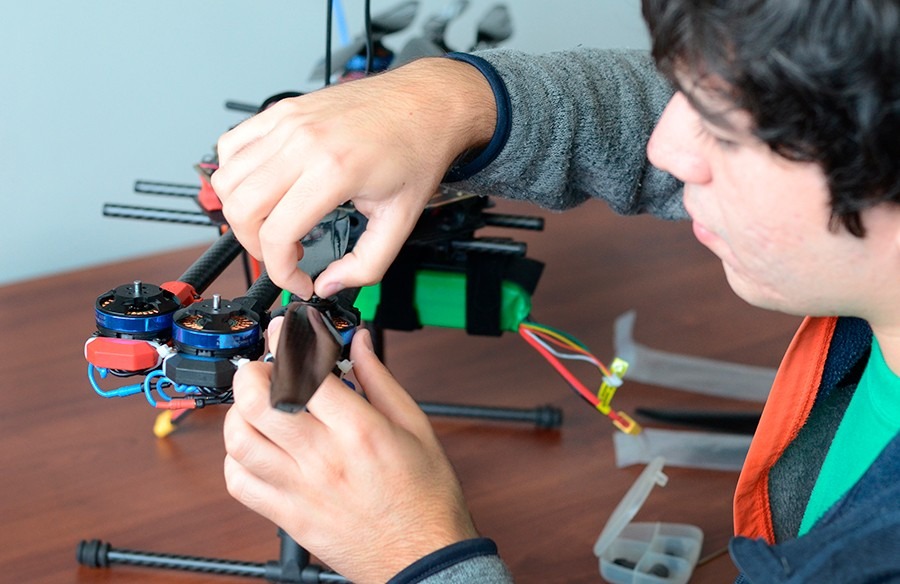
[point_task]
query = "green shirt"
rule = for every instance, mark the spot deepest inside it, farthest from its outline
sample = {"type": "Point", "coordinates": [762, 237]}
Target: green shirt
{"type": "Point", "coordinates": [872, 419]}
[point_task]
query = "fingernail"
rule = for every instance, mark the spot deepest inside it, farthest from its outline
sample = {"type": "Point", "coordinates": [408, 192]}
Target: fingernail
{"type": "Point", "coordinates": [366, 337]}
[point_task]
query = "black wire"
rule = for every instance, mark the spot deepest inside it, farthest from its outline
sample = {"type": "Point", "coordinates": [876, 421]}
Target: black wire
{"type": "Point", "coordinates": [216, 397]}
{"type": "Point", "coordinates": [213, 392]}
{"type": "Point", "coordinates": [248, 275]}
{"type": "Point", "coordinates": [328, 16]}
{"type": "Point", "coordinates": [126, 373]}
{"type": "Point", "coordinates": [370, 49]}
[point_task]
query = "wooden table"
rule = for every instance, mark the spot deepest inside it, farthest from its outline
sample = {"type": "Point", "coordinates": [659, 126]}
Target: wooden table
{"type": "Point", "coordinates": [76, 466]}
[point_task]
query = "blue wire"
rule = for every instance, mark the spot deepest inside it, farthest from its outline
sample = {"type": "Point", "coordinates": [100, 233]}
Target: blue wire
{"type": "Point", "coordinates": [139, 387]}
{"type": "Point", "coordinates": [147, 388]}
{"type": "Point", "coordinates": [159, 388]}
{"type": "Point", "coordinates": [163, 380]}
{"type": "Point", "coordinates": [341, 19]}
{"type": "Point", "coordinates": [103, 372]}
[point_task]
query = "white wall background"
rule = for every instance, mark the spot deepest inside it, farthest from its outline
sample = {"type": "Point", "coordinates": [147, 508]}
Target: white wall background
{"type": "Point", "coordinates": [94, 95]}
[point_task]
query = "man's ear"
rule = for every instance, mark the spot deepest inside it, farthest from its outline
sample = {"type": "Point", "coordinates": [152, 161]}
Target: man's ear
{"type": "Point", "coordinates": [883, 219]}
{"type": "Point", "coordinates": [896, 215]}
{"type": "Point", "coordinates": [893, 211]}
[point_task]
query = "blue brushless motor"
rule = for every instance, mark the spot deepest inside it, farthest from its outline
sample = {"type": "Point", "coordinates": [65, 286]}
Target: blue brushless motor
{"type": "Point", "coordinates": [136, 311]}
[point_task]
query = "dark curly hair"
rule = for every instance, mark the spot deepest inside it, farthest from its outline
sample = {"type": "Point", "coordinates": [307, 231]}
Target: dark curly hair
{"type": "Point", "coordinates": [819, 78]}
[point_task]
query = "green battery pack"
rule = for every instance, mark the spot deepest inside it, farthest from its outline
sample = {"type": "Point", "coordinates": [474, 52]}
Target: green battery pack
{"type": "Point", "coordinates": [440, 300]}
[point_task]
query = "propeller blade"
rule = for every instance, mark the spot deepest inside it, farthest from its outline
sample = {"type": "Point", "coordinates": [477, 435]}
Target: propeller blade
{"type": "Point", "coordinates": [436, 26]}
{"type": "Point", "coordinates": [495, 27]}
{"type": "Point", "coordinates": [390, 21]}
{"type": "Point", "coordinates": [395, 19]}
{"type": "Point", "coordinates": [307, 353]}
{"type": "Point", "coordinates": [416, 48]}
{"type": "Point", "coordinates": [339, 58]}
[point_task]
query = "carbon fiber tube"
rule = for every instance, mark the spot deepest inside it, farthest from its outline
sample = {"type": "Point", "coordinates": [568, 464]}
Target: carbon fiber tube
{"type": "Point", "coordinates": [99, 554]}
{"type": "Point", "coordinates": [293, 565]}
{"type": "Point", "coordinates": [264, 292]}
{"type": "Point", "coordinates": [156, 214]}
{"type": "Point", "coordinates": [542, 417]}
{"type": "Point", "coordinates": [239, 106]}
{"type": "Point", "coordinates": [491, 245]}
{"type": "Point", "coordinates": [513, 221]}
{"type": "Point", "coordinates": [146, 187]}
{"type": "Point", "coordinates": [213, 262]}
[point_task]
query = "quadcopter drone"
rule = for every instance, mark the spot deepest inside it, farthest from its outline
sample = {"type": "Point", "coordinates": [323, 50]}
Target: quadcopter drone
{"type": "Point", "coordinates": [187, 348]}
{"type": "Point", "coordinates": [179, 346]}
{"type": "Point", "coordinates": [184, 348]}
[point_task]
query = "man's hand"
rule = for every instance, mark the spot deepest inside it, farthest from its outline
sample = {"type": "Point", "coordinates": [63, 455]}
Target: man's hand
{"type": "Point", "coordinates": [383, 142]}
{"type": "Point", "coordinates": [363, 485]}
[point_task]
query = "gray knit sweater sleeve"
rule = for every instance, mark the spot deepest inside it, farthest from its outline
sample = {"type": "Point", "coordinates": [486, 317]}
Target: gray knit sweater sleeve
{"type": "Point", "coordinates": [464, 562]}
{"type": "Point", "coordinates": [580, 121]}
{"type": "Point", "coordinates": [483, 570]}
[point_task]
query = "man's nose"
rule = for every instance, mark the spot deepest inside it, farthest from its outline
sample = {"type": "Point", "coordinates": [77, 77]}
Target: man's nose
{"type": "Point", "coordinates": [675, 146]}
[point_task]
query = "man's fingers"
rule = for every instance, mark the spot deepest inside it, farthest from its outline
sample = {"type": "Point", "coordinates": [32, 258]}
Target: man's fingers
{"type": "Point", "coordinates": [308, 200]}
{"type": "Point", "coordinates": [251, 383]}
{"type": "Point", "coordinates": [244, 161]}
{"type": "Point", "coordinates": [260, 456]}
{"type": "Point", "coordinates": [281, 267]}
{"type": "Point", "coordinates": [253, 492]}
{"type": "Point", "coordinates": [382, 390]}
{"type": "Point", "coordinates": [273, 333]}
{"type": "Point", "coordinates": [386, 232]}
{"type": "Point", "coordinates": [265, 175]}
{"type": "Point", "coordinates": [252, 202]}
{"type": "Point", "coordinates": [252, 399]}
{"type": "Point", "coordinates": [335, 405]}
{"type": "Point", "coordinates": [250, 130]}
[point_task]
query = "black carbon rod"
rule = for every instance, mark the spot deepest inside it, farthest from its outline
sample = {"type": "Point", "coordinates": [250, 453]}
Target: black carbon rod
{"type": "Point", "coordinates": [213, 262]}
{"type": "Point", "coordinates": [513, 221]}
{"type": "Point", "coordinates": [264, 291]}
{"type": "Point", "coordinates": [293, 566]}
{"type": "Point", "coordinates": [239, 106]}
{"type": "Point", "coordinates": [147, 187]}
{"type": "Point", "coordinates": [156, 214]}
{"type": "Point", "coordinates": [541, 417]}
{"type": "Point", "coordinates": [489, 245]}
{"type": "Point", "coordinates": [99, 554]}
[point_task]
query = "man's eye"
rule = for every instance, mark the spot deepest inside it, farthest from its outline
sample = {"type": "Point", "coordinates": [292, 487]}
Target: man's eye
{"type": "Point", "coordinates": [723, 143]}
{"type": "Point", "coordinates": [726, 144]}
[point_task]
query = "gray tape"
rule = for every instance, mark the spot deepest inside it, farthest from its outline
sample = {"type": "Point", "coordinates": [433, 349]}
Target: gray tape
{"type": "Point", "coordinates": [696, 374]}
{"type": "Point", "coordinates": [681, 448]}
{"type": "Point", "coordinates": [326, 242]}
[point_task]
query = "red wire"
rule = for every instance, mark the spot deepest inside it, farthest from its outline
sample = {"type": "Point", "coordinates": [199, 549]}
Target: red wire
{"type": "Point", "coordinates": [615, 416]}
{"type": "Point", "coordinates": [561, 369]}
{"type": "Point", "coordinates": [255, 268]}
{"type": "Point", "coordinates": [562, 345]}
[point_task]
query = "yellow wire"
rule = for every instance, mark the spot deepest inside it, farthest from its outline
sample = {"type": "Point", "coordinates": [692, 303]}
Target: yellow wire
{"type": "Point", "coordinates": [544, 332]}
{"type": "Point", "coordinates": [563, 339]}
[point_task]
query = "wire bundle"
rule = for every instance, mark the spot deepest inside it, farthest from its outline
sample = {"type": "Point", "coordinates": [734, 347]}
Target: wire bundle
{"type": "Point", "coordinates": [544, 338]}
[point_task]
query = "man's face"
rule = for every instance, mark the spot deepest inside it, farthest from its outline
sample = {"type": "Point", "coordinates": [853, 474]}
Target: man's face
{"type": "Point", "coordinates": [764, 216]}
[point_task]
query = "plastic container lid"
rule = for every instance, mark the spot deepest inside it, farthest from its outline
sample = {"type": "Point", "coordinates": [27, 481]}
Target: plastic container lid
{"type": "Point", "coordinates": [631, 503]}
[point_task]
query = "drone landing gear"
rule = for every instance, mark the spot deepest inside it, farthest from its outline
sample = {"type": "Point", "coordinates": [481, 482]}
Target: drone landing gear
{"type": "Point", "coordinates": [487, 264]}
{"type": "Point", "coordinates": [543, 417]}
{"type": "Point", "coordinates": [293, 565]}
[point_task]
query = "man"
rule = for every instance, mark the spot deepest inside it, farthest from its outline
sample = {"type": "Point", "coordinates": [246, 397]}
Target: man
{"type": "Point", "coordinates": [783, 131]}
